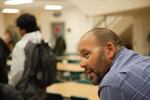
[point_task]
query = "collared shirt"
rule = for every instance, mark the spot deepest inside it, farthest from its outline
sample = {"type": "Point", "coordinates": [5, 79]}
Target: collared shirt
{"type": "Point", "coordinates": [128, 78]}
{"type": "Point", "coordinates": [18, 56]}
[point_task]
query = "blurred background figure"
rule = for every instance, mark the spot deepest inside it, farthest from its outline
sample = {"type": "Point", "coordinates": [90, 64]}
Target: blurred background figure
{"type": "Point", "coordinates": [60, 45]}
{"type": "Point", "coordinates": [58, 40]}
{"type": "Point", "coordinates": [5, 50]}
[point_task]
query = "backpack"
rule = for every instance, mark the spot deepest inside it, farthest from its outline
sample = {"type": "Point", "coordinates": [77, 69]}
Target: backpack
{"type": "Point", "coordinates": [40, 69]}
{"type": "Point", "coordinates": [8, 92]}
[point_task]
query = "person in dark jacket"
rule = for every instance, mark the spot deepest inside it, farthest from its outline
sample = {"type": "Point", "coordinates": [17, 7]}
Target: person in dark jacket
{"type": "Point", "coordinates": [60, 46]}
{"type": "Point", "coordinates": [5, 41]}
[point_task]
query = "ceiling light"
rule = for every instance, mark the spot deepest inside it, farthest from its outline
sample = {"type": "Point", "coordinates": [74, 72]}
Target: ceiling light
{"type": "Point", "coordinates": [53, 7]}
{"type": "Point", "coordinates": [17, 2]}
{"type": "Point", "coordinates": [10, 10]}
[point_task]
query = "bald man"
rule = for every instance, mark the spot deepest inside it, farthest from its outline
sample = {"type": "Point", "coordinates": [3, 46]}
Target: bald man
{"type": "Point", "coordinates": [121, 74]}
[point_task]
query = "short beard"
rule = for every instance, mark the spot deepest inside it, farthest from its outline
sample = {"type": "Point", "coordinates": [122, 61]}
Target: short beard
{"type": "Point", "coordinates": [98, 79]}
{"type": "Point", "coordinates": [102, 61]}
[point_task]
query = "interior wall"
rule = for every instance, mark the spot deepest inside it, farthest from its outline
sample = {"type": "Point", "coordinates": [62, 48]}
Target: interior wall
{"type": "Point", "coordinates": [9, 20]}
{"type": "Point", "coordinates": [122, 24]}
{"type": "Point", "coordinates": [126, 37]}
{"type": "Point", "coordinates": [1, 24]}
{"type": "Point", "coordinates": [76, 21]}
{"type": "Point", "coordinates": [141, 28]}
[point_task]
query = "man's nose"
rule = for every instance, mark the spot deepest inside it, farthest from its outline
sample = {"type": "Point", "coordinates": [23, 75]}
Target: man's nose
{"type": "Point", "coordinates": [83, 63]}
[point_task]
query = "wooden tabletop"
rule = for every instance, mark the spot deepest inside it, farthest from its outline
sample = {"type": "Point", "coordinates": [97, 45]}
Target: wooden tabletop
{"type": "Point", "coordinates": [63, 67]}
{"type": "Point", "coordinates": [69, 67]}
{"type": "Point", "coordinates": [68, 89]}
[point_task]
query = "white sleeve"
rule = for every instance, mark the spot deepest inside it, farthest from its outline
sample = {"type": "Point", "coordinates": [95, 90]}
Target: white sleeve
{"type": "Point", "coordinates": [17, 68]}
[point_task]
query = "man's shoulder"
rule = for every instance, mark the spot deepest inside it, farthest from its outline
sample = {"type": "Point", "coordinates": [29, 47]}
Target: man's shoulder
{"type": "Point", "coordinates": [19, 47]}
{"type": "Point", "coordinates": [21, 43]}
{"type": "Point", "coordinates": [132, 72]}
{"type": "Point", "coordinates": [114, 78]}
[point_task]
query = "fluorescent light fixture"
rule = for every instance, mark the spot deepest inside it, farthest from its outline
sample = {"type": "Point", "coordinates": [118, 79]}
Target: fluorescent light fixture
{"type": "Point", "coordinates": [17, 2]}
{"type": "Point", "coordinates": [10, 10]}
{"type": "Point", "coordinates": [53, 7]}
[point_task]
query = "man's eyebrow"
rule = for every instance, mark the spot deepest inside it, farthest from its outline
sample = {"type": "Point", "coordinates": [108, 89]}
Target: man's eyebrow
{"type": "Point", "coordinates": [80, 52]}
{"type": "Point", "coordinates": [83, 50]}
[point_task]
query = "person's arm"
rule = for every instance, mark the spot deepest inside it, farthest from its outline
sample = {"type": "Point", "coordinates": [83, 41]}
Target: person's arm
{"type": "Point", "coordinates": [3, 66]}
{"type": "Point", "coordinates": [109, 93]}
{"type": "Point", "coordinates": [17, 68]}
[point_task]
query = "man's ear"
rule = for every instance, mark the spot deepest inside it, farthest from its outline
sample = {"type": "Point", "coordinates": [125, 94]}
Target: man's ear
{"type": "Point", "coordinates": [109, 50]}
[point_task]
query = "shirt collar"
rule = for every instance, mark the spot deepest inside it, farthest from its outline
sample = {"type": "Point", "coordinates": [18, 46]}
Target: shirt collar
{"type": "Point", "coordinates": [118, 56]}
{"type": "Point", "coordinates": [33, 36]}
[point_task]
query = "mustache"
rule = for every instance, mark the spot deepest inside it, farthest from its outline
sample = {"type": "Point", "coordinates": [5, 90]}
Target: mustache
{"type": "Point", "coordinates": [88, 70]}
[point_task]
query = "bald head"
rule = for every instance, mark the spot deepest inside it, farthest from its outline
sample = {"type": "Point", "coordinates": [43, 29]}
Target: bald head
{"type": "Point", "coordinates": [104, 35]}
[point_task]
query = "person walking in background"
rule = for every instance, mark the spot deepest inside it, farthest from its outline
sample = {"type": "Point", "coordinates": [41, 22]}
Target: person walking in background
{"type": "Point", "coordinates": [5, 42]}
{"type": "Point", "coordinates": [60, 46]}
{"type": "Point", "coordinates": [121, 74]}
{"type": "Point", "coordinates": [29, 32]}
{"type": "Point", "coordinates": [58, 41]}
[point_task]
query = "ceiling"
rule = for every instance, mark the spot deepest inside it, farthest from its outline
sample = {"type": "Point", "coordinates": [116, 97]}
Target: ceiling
{"type": "Point", "coordinates": [89, 7]}
{"type": "Point", "coordinates": [39, 4]}
{"type": "Point", "coordinates": [106, 7]}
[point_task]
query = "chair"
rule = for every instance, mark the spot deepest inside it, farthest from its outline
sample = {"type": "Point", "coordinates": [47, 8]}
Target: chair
{"type": "Point", "coordinates": [54, 96]}
{"type": "Point", "coordinates": [78, 98]}
{"type": "Point", "coordinates": [75, 75]}
{"type": "Point", "coordinates": [74, 61]}
{"type": "Point", "coordinates": [85, 81]}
